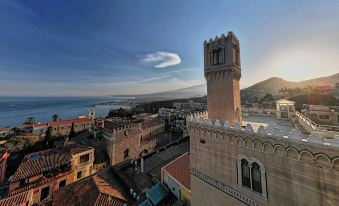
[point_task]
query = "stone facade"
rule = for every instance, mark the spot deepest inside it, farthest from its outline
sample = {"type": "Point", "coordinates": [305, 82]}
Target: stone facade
{"type": "Point", "coordinates": [295, 173]}
{"type": "Point", "coordinates": [123, 141]}
{"type": "Point", "coordinates": [222, 72]}
{"type": "Point", "coordinates": [232, 165]}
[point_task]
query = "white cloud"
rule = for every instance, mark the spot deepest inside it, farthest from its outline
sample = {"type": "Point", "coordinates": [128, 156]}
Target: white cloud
{"type": "Point", "coordinates": [162, 59]}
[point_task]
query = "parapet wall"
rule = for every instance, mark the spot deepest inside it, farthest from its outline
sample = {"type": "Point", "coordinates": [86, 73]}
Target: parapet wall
{"type": "Point", "coordinates": [311, 150]}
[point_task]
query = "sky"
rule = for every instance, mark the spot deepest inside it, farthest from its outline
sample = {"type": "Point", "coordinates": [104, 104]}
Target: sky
{"type": "Point", "coordinates": [94, 48]}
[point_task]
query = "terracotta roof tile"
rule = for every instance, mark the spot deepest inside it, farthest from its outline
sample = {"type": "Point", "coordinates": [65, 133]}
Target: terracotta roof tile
{"type": "Point", "coordinates": [39, 162]}
{"type": "Point", "coordinates": [179, 169]}
{"type": "Point", "coordinates": [63, 122]}
{"type": "Point", "coordinates": [67, 122]}
{"type": "Point", "coordinates": [99, 189]}
{"type": "Point", "coordinates": [107, 200]}
{"type": "Point", "coordinates": [15, 200]}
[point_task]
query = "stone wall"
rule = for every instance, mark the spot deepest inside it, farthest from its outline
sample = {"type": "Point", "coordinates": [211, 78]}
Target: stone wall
{"type": "Point", "coordinates": [122, 139]}
{"type": "Point", "coordinates": [297, 173]}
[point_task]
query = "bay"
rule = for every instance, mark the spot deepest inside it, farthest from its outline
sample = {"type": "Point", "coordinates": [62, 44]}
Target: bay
{"type": "Point", "coordinates": [15, 110]}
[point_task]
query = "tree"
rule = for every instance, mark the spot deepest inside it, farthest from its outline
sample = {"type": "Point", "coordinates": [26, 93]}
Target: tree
{"type": "Point", "coordinates": [72, 133]}
{"type": "Point", "coordinates": [267, 97]}
{"type": "Point", "coordinates": [55, 117]}
{"type": "Point", "coordinates": [30, 120]}
{"type": "Point", "coordinates": [256, 99]}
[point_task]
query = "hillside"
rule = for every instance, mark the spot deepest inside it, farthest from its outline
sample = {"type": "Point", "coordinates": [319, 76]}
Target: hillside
{"type": "Point", "coordinates": [272, 85]}
{"type": "Point", "coordinates": [194, 91]}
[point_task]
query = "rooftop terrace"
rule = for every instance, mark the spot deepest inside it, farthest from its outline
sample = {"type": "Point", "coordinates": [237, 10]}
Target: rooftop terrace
{"type": "Point", "coordinates": [267, 126]}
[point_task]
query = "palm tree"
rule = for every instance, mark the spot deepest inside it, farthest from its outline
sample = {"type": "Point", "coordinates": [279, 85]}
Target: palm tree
{"type": "Point", "coordinates": [55, 117]}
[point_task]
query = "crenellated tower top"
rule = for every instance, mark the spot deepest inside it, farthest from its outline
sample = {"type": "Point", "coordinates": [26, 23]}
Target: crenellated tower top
{"type": "Point", "coordinates": [222, 71]}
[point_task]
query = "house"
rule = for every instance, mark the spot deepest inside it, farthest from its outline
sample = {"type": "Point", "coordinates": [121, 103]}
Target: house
{"type": "Point", "coordinates": [176, 176]}
{"type": "Point", "coordinates": [21, 199]}
{"type": "Point", "coordinates": [102, 189]}
{"type": "Point", "coordinates": [43, 172]}
{"type": "Point", "coordinates": [46, 171]}
{"type": "Point", "coordinates": [63, 128]}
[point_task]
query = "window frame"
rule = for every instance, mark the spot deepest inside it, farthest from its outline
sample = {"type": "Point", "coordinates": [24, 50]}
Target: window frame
{"type": "Point", "coordinates": [84, 158]}
{"type": "Point", "coordinates": [49, 192]}
{"type": "Point", "coordinates": [263, 175]}
{"type": "Point", "coordinates": [64, 180]}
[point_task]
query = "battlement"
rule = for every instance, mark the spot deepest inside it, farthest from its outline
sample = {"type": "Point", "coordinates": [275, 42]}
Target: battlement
{"type": "Point", "coordinates": [230, 35]}
{"type": "Point", "coordinates": [283, 131]}
{"type": "Point", "coordinates": [117, 125]}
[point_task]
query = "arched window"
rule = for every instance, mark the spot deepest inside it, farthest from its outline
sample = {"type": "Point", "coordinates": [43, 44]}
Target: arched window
{"type": "Point", "coordinates": [256, 178]}
{"type": "Point", "coordinates": [252, 175]}
{"type": "Point", "coordinates": [217, 56]}
{"type": "Point", "coordinates": [220, 59]}
{"type": "Point", "coordinates": [245, 174]}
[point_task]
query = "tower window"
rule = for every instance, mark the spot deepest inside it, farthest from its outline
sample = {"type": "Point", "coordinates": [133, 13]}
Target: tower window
{"type": "Point", "coordinates": [245, 174]}
{"type": "Point", "coordinates": [217, 56]}
{"type": "Point", "coordinates": [256, 178]}
{"type": "Point", "coordinates": [252, 175]}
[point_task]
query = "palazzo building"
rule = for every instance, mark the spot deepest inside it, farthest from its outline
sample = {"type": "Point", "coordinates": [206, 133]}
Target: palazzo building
{"type": "Point", "coordinates": [254, 160]}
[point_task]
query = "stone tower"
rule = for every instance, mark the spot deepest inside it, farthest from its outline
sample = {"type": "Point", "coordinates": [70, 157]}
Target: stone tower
{"type": "Point", "coordinates": [222, 72]}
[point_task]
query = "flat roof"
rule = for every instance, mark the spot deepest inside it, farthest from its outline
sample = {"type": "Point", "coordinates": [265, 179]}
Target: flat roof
{"type": "Point", "coordinates": [273, 125]}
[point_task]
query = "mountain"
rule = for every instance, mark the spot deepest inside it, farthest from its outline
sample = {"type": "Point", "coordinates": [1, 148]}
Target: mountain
{"type": "Point", "coordinates": [194, 91]}
{"type": "Point", "coordinates": [272, 85]}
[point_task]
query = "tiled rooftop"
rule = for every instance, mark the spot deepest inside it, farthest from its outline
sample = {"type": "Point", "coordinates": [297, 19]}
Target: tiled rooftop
{"type": "Point", "coordinates": [100, 189]}
{"type": "Point", "coordinates": [19, 199]}
{"type": "Point", "coordinates": [179, 169]}
{"type": "Point", "coordinates": [63, 122]}
{"type": "Point", "coordinates": [39, 162]}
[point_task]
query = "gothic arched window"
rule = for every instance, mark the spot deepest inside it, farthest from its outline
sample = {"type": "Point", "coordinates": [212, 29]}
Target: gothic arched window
{"type": "Point", "coordinates": [220, 59]}
{"type": "Point", "coordinates": [256, 178]}
{"type": "Point", "coordinates": [245, 174]}
{"type": "Point", "coordinates": [252, 175]}
{"type": "Point", "coordinates": [214, 56]}
{"type": "Point", "coordinates": [217, 56]}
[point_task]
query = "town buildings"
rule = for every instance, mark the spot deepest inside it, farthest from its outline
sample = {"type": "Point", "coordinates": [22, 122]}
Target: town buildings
{"type": "Point", "coordinates": [46, 171]}
{"type": "Point", "coordinates": [320, 114]}
{"type": "Point", "coordinates": [176, 176]}
{"type": "Point", "coordinates": [21, 199]}
{"type": "Point", "coordinates": [125, 138]}
{"type": "Point", "coordinates": [190, 105]}
{"type": "Point", "coordinates": [62, 128]}
{"type": "Point", "coordinates": [136, 182]}
{"type": "Point", "coordinates": [254, 160]}
{"type": "Point", "coordinates": [102, 189]}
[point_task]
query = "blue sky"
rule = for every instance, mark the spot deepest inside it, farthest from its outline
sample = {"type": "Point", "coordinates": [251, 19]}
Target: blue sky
{"type": "Point", "coordinates": [90, 48]}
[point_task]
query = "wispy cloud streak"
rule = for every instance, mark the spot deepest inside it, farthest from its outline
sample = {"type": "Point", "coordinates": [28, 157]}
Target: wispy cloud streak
{"type": "Point", "coordinates": [162, 59]}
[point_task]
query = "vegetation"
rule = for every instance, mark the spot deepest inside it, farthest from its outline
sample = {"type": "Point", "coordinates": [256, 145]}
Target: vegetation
{"type": "Point", "coordinates": [317, 99]}
{"type": "Point", "coordinates": [72, 133]}
{"type": "Point", "coordinates": [151, 107]}
{"type": "Point", "coordinates": [55, 117]}
{"type": "Point", "coordinates": [30, 120]}
{"type": "Point", "coordinates": [267, 97]}
{"type": "Point", "coordinates": [124, 113]}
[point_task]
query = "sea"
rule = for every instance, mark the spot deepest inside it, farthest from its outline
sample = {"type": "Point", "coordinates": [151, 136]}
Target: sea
{"type": "Point", "coordinates": [15, 110]}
